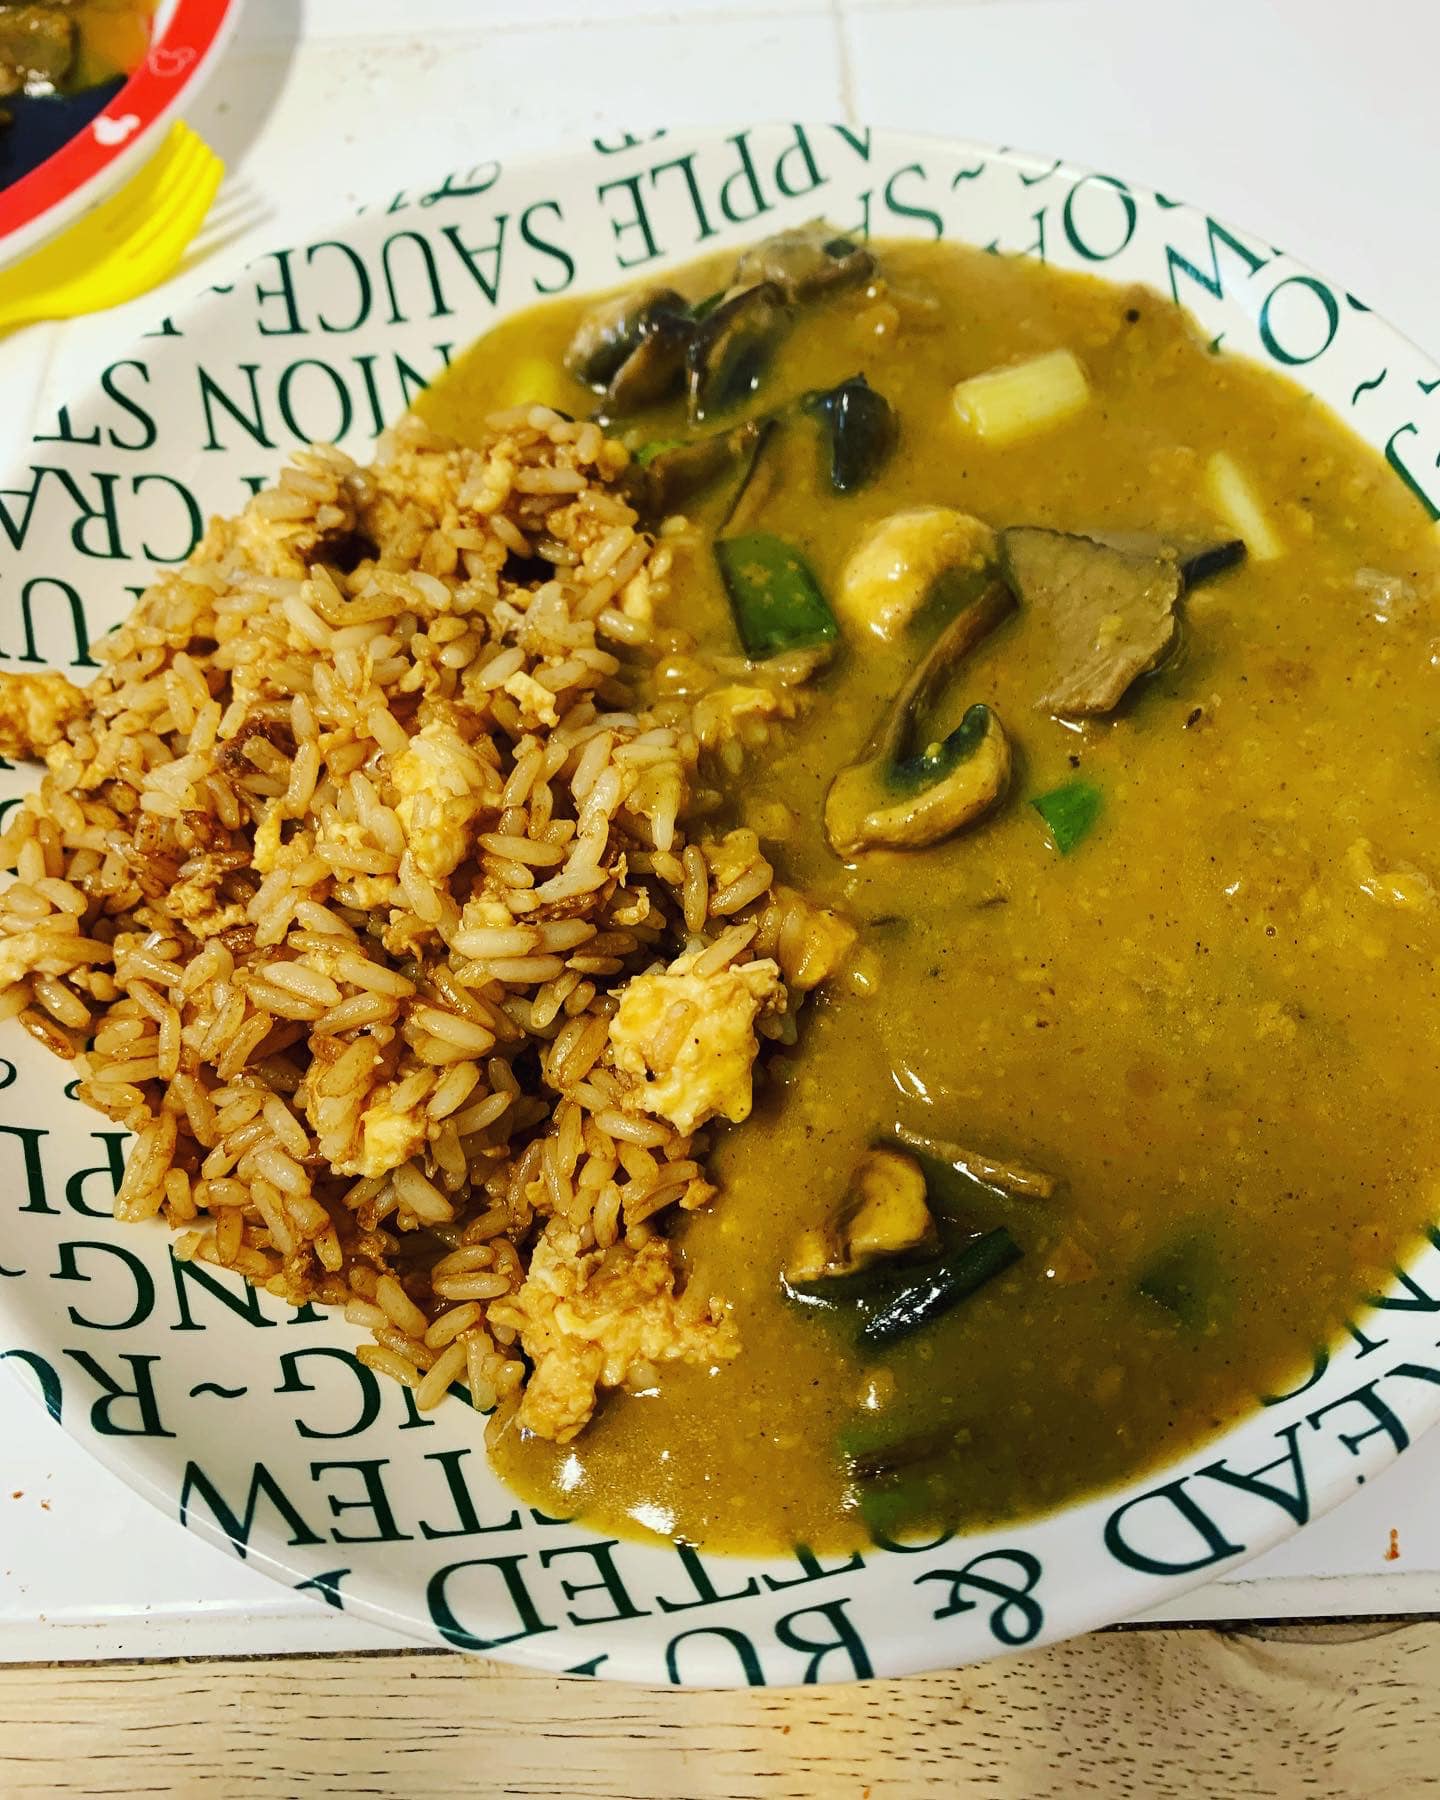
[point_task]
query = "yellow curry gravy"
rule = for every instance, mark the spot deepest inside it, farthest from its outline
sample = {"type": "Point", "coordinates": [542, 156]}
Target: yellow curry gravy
{"type": "Point", "coordinates": [1214, 1020]}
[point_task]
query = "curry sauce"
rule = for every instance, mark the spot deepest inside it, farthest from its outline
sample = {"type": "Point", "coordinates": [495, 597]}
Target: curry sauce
{"type": "Point", "coordinates": [1209, 1018]}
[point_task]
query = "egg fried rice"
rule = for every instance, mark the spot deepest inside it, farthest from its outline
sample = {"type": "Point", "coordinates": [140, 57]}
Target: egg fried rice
{"type": "Point", "coordinates": [370, 885]}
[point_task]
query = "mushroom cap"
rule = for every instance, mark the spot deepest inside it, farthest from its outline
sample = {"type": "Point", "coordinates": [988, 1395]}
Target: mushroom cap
{"type": "Point", "coordinates": [908, 804]}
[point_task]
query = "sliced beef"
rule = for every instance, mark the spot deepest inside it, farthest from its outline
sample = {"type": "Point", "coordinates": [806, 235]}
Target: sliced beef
{"type": "Point", "coordinates": [1199, 558]}
{"type": "Point", "coordinates": [1106, 615]}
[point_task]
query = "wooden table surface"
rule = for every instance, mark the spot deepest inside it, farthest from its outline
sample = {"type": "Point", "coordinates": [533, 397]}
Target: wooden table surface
{"type": "Point", "coordinates": [1330, 1711]}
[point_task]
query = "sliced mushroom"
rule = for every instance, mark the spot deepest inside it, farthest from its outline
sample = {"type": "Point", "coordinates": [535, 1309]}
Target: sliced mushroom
{"type": "Point", "coordinates": [860, 430]}
{"type": "Point", "coordinates": [1198, 562]}
{"type": "Point", "coordinates": [613, 330]}
{"type": "Point", "coordinates": [910, 804]}
{"type": "Point", "coordinates": [730, 349]}
{"type": "Point", "coordinates": [804, 262]}
{"type": "Point", "coordinates": [654, 370]}
{"type": "Point", "coordinates": [677, 474]}
{"type": "Point", "coordinates": [905, 561]}
{"type": "Point", "coordinates": [992, 1171]}
{"type": "Point", "coordinates": [908, 793]}
{"type": "Point", "coordinates": [886, 1214]}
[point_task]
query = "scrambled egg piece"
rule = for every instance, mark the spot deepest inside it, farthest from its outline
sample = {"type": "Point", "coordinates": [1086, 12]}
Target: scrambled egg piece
{"type": "Point", "coordinates": [536, 702]}
{"type": "Point", "coordinates": [344, 834]}
{"type": "Point", "coordinates": [368, 893]}
{"type": "Point", "coordinates": [284, 547]}
{"type": "Point", "coordinates": [820, 944]}
{"type": "Point", "coordinates": [483, 911]}
{"type": "Point", "coordinates": [40, 953]}
{"type": "Point", "coordinates": [441, 786]}
{"type": "Point", "coordinates": [387, 1137]}
{"type": "Point", "coordinates": [725, 712]}
{"type": "Point", "coordinates": [587, 1321]}
{"type": "Point", "coordinates": [734, 855]}
{"type": "Point", "coordinates": [34, 711]}
{"type": "Point", "coordinates": [265, 852]}
{"type": "Point", "coordinates": [196, 902]}
{"type": "Point", "coordinates": [691, 1038]}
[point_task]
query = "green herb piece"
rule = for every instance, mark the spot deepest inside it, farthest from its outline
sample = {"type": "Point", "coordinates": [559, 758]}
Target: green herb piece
{"type": "Point", "coordinates": [776, 602]}
{"type": "Point", "coordinates": [938, 1288]}
{"type": "Point", "coordinates": [646, 454]}
{"type": "Point", "coordinates": [872, 1452]}
{"type": "Point", "coordinates": [1070, 812]}
{"type": "Point", "coordinates": [892, 1514]}
{"type": "Point", "coordinates": [1187, 1279]}
{"type": "Point", "coordinates": [897, 1484]}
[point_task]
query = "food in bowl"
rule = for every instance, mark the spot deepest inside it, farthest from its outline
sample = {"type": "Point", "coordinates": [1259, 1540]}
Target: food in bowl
{"type": "Point", "coordinates": [810, 889]}
{"type": "Point", "coordinates": [61, 61]}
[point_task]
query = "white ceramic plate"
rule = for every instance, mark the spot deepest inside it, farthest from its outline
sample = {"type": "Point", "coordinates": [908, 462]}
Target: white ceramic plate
{"type": "Point", "coordinates": [254, 1425]}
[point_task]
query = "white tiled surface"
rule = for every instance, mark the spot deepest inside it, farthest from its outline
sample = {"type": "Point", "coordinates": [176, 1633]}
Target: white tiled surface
{"type": "Point", "coordinates": [1310, 121]}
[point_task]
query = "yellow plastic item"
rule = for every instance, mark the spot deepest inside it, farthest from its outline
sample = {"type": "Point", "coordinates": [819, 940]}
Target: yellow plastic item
{"type": "Point", "coordinates": [127, 245]}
